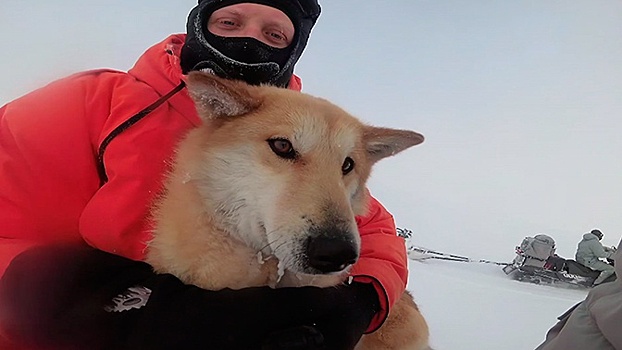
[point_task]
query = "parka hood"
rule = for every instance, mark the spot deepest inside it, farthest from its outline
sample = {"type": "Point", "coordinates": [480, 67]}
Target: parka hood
{"type": "Point", "coordinates": [589, 236]}
{"type": "Point", "coordinates": [159, 68]}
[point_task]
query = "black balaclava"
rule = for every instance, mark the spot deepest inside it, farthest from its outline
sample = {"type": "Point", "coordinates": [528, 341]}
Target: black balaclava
{"type": "Point", "coordinates": [243, 58]}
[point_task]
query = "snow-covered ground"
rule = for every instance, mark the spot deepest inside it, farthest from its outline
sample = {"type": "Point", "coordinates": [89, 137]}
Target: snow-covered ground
{"type": "Point", "coordinates": [475, 306]}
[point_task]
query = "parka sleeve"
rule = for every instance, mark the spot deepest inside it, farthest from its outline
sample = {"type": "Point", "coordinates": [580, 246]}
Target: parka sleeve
{"type": "Point", "coordinates": [45, 158]}
{"type": "Point", "coordinates": [383, 259]}
{"type": "Point", "coordinates": [134, 162]}
{"type": "Point", "coordinates": [598, 250]}
{"type": "Point", "coordinates": [594, 323]}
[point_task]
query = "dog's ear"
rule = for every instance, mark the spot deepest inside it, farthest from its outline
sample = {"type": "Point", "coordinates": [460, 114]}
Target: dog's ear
{"type": "Point", "coordinates": [384, 142]}
{"type": "Point", "coordinates": [216, 97]}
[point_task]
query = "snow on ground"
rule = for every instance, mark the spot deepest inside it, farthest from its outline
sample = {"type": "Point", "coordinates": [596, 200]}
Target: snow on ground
{"type": "Point", "coordinates": [475, 306]}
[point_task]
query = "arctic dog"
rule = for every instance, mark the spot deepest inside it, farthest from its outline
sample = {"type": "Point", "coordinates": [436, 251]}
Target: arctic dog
{"type": "Point", "coordinates": [265, 192]}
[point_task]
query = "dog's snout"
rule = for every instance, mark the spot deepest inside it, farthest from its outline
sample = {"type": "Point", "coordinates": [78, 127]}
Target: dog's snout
{"type": "Point", "coordinates": [331, 254]}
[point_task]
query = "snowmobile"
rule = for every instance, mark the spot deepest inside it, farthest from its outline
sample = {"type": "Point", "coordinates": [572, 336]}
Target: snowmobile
{"type": "Point", "coordinates": [536, 262]}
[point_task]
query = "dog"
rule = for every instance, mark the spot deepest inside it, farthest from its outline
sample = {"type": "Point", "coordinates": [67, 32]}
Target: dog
{"type": "Point", "coordinates": [265, 193]}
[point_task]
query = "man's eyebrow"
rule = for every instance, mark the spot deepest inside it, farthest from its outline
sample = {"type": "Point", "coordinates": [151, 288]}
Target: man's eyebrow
{"type": "Point", "coordinates": [277, 24]}
{"type": "Point", "coordinates": [230, 12]}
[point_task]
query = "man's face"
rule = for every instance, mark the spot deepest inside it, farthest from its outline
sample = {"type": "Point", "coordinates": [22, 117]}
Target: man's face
{"type": "Point", "coordinates": [264, 23]}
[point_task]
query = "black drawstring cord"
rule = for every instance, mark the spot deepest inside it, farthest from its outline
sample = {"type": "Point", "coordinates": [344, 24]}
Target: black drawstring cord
{"type": "Point", "coordinates": [125, 125]}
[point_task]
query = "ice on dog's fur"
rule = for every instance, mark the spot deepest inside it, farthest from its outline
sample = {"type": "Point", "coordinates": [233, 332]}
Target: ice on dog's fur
{"type": "Point", "coordinates": [272, 181]}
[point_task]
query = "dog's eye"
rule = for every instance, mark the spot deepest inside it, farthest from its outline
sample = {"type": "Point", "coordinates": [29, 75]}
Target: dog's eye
{"type": "Point", "coordinates": [347, 166]}
{"type": "Point", "coordinates": [282, 148]}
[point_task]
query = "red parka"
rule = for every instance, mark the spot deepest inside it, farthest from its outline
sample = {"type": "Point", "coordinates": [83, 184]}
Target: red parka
{"type": "Point", "coordinates": [51, 184]}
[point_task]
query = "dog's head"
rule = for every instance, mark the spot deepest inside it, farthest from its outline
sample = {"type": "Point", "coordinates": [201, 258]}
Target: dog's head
{"type": "Point", "coordinates": [285, 172]}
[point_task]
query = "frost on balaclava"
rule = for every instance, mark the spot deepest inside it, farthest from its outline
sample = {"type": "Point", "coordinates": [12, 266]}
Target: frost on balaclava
{"type": "Point", "coordinates": [242, 58]}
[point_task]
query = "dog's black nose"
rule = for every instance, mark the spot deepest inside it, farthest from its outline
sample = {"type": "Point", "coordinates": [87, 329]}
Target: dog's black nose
{"type": "Point", "coordinates": [328, 254]}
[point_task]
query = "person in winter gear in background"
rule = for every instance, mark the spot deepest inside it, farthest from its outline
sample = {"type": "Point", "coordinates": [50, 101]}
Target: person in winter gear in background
{"type": "Point", "coordinates": [589, 253]}
{"type": "Point", "coordinates": [81, 161]}
{"type": "Point", "coordinates": [593, 324]}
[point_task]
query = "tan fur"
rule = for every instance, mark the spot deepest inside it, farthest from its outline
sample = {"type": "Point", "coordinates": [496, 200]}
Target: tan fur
{"type": "Point", "coordinates": [236, 214]}
{"type": "Point", "coordinates": [405, 328]}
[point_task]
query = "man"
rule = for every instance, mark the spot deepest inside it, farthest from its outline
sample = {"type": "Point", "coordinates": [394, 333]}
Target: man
{"type": "Point", "coordinates": [593, 324]}
{"type": "Point", "coordinates": [82, 159]}
{"type": "Point", "coordinates": [589, 253]}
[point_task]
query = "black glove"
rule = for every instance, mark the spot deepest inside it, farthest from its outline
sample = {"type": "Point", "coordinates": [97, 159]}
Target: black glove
{"type": "Point", "coordinates": [62, 297]}
{"type": "Point", "coordinates": [353, 307]}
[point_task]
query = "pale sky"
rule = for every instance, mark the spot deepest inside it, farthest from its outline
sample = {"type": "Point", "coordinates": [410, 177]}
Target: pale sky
{"type": "Point", "coordinates": [520, 101]}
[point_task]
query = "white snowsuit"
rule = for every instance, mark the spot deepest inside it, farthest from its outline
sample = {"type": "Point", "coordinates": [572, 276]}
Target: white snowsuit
{"type": "Point", "coordinates": [593, 324]}
{"type": "Point", "coordinates": [589, 253]}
